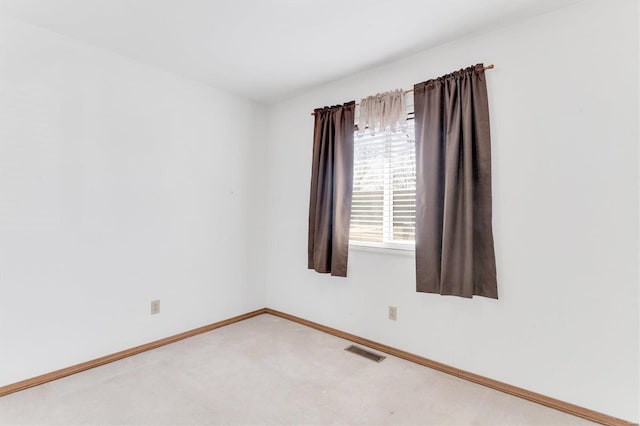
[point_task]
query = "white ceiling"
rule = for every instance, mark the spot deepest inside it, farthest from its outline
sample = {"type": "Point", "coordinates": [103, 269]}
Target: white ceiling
{"type": "Point", "coordinates": [267, 50]}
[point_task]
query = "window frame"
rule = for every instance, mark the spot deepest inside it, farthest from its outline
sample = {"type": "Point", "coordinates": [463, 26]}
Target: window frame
{"type": "Point", "coordinates": [397, 247]}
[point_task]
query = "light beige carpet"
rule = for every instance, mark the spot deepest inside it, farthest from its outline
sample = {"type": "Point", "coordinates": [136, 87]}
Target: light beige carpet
{"type": "Point", "coordinates": [267, 371]}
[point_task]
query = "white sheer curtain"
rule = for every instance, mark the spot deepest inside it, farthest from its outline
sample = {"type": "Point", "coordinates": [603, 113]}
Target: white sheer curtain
{"type": "Point", "coordinates": [383, 112]}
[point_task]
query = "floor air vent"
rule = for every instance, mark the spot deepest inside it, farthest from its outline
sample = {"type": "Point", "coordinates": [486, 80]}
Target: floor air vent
{"type": "Point", "coordinates": [365, 353]}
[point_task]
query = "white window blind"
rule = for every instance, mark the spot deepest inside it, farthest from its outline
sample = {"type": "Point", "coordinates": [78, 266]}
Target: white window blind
{"type": "Point", "coordinates": [384, 189]}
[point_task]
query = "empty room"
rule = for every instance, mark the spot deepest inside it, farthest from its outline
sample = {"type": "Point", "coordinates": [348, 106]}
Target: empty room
{"type": "Point", "coordinates": [296, 212]}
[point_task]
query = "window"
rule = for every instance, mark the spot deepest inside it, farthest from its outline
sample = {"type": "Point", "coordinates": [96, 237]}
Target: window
{"type": "Point", "coordinates": [383, 208]}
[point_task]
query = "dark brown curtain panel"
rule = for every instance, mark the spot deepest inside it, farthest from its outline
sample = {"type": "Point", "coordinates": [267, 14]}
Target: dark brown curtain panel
{"type": "Point", "coordinates": [454, 237]}
{"type": "Point", "coordinates": [331, 189]}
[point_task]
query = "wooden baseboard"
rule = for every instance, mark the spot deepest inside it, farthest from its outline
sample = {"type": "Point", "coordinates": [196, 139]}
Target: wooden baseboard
{"type": "Point", "coordinates": [54, 375]}
{"type": "Point", "coordinates": [494, 384]}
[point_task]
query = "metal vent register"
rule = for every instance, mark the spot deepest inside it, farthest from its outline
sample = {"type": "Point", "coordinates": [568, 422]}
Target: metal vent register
{"type": "Point", "coordinates": [364, 353]}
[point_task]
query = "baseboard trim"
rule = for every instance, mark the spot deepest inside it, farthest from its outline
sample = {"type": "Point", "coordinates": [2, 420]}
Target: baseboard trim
{"type": "Point", "coordinates": [476, 378]}
{"type": "Point", "coordinates": [58, 374]}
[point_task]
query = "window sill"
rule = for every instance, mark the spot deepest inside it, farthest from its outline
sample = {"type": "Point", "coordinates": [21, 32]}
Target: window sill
{"type": "Point", "coordinates": [399, 250]}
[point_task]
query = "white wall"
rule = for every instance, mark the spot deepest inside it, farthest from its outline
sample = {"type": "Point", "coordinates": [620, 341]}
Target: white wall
{"type": "Point", "coordinates": [119, 184]}
{"type": "Point", "coordinates": [564, 110]}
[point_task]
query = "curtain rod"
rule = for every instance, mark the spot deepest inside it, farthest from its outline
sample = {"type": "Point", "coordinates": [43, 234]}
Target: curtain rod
{"type": "Point", "coordinates": [488, 67]}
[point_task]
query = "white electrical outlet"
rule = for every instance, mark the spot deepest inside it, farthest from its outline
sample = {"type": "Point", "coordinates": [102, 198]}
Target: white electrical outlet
{"type": "Point", "coordinates": [155, 307]}
{"type": "Point", "coordinates": [393, 313]}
